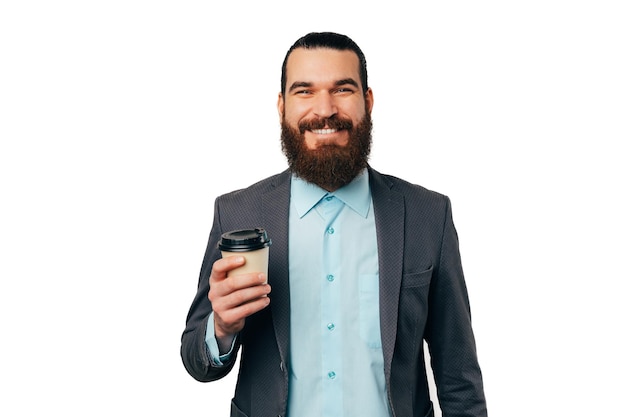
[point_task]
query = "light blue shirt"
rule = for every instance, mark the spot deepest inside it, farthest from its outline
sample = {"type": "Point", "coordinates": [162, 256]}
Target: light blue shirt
{"type": "Point", "coordinates": [336, 364]}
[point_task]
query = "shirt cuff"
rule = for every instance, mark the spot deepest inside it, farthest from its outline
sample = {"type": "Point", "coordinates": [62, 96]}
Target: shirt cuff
{"type": "Point", "coordinates": [211, 343]}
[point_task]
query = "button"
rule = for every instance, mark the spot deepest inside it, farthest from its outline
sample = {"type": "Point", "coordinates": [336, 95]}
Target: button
{"type": "Point", "coordinates": [329, 198]}
{"type": "Point", "coordinates": [331, 230]}
{"type": "Point", "coordinates": [332, 375]}
{"type": "Point", "coordinates": [282, 368]}
{"type": "Point", "coordinates": [330, 326]}
{"type": "Point", "coordinates": [330, 277]}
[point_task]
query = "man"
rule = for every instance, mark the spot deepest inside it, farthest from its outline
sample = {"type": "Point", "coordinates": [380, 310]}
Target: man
{"type": "Point", "coordinates": [363, 268]}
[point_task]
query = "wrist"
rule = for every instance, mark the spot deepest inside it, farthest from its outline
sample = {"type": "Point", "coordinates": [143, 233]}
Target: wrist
{"type": "Point", "coordinates": [224, 341]}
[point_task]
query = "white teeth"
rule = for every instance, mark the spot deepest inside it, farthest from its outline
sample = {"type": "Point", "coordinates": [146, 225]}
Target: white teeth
{"type": "Point", "coordinates": [323, 131]}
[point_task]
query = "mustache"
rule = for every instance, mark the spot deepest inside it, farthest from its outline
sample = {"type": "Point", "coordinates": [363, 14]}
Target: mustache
{"type": "Point", "coordinates": [330, 123]}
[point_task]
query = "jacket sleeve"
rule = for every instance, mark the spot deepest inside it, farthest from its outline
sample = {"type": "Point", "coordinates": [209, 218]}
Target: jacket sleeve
{"type": "Point", "coordinates": [194, 351]}
{"type": "Point", "coordinates": [449, 333]}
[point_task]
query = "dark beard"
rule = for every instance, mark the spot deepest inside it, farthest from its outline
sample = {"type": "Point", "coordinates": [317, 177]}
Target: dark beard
{"type": "Point", "coordinates": [329, 166]}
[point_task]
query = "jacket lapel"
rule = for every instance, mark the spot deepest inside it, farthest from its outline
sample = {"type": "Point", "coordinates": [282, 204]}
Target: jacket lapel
{"type": "Point", "coordinates": [389, 212]}
{"type": "Point", "coordinates": [275, 210]}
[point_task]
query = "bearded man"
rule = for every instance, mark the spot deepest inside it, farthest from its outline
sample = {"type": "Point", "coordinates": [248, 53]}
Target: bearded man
{"type": "Point", "coordinates": [364, 268]}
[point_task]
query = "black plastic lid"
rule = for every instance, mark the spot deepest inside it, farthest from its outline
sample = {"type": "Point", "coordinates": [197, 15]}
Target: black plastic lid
{"type": "Point", "coordinates": [244, 240]}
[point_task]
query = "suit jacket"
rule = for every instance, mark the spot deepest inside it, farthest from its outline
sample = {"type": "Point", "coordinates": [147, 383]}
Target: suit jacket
{"type": "Point", "coordinates": [422, 297]}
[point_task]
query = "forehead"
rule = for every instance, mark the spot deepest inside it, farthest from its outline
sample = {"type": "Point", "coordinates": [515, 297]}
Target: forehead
{"type": "Point", "coordinates": [321, 65]}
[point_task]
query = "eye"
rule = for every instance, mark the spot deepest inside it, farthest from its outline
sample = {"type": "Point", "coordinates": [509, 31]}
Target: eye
{"type": "Point", "coordinates": [344, 90]}
{"type": "Point", "coordinates": [302, 92]}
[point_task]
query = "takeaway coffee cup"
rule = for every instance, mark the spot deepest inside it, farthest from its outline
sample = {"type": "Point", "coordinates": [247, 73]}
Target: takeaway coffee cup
{"type": "Point", "coordinates": [252, 244]}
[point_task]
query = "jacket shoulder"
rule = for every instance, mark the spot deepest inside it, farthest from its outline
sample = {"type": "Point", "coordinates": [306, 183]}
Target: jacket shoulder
{"type": "Point", "coordinates": [255, 190]}
{"type": "Point", "coordinates": [408, 190]}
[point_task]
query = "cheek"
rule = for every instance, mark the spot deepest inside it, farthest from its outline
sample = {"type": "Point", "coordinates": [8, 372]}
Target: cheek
{"type": "Point", "coordinates": [357, 112]}
{"type": "Point", "coordinates": [293, 111]}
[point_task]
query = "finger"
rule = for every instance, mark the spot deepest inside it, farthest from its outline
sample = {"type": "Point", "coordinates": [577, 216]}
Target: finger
{"type": "Point", "coordinates": [221, 288]}
{"type": "Point", "coordinates": [232, 320]}
{"type": "Point", "coordinates": [226, 300]}
{"type": "Point", "coordinates": [222, 266]}
{"type": "Point", "coordinates": [245, 296]}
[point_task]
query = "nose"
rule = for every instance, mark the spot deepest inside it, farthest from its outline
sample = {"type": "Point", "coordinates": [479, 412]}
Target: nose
{"type": "Point", "coordinates": [324, 106]}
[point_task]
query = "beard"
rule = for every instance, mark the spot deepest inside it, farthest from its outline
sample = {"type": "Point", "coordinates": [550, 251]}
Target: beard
{"type": "Point", "coordinates": [329, 166]}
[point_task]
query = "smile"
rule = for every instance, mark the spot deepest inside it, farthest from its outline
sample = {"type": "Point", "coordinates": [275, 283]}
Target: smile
{"type": "Point", "coordinates": [324, 131]}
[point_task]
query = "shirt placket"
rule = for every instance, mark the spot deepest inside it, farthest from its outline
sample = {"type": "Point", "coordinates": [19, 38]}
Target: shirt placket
{"type": "Point", "coordinates": [331, 325]}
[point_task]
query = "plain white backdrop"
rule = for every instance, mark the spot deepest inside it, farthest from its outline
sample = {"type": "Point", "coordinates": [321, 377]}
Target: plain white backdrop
{"type": "Point", "coordinates": [121, 121]}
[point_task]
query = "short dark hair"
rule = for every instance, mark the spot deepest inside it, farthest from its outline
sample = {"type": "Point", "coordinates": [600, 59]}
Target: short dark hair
{"type": "Point", "coordinates": [328, 40]}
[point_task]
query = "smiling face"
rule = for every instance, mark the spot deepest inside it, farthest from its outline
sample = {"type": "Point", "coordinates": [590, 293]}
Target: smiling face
{"type": "Point", "coordinates": [325, 116]}
{"type": "Point", "coordinates": [324, 97]}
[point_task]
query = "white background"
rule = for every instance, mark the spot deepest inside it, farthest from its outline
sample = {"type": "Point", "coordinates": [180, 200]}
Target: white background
{"type": "Point", "coordinates": [121, 121]}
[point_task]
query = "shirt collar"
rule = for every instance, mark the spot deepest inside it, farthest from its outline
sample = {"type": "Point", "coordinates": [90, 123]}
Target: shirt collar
{"type": "Point", "coordinates": [356, 194]}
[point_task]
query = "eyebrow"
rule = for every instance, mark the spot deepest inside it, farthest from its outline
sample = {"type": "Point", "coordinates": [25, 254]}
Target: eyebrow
{"type": "Point", "coordinates": [299, 84]}
{"type": "Point", "coordinates": [306, 84]}
{"type": "Point", "coordinates": [349, 81]}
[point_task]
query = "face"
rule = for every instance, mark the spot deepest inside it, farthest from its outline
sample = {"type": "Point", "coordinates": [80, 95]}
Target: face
{"type": "Point", "coordinates": [325, 117]}
{"type": "Point", "coordinates": [323, 85]}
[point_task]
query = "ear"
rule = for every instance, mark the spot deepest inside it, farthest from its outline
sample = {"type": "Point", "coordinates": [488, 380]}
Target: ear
{"type": "Point", "coordinates": [281, 106]}
{"type": "Point", "coordinates": [369, 100]}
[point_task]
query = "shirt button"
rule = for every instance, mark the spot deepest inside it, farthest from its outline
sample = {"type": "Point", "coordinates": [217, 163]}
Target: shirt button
{"type": "Point", "coordinates": [330, 277]}
{"type": "Point", "coordinates": [332, 375]}
{"type": "Point", "coordinates": [329, 198]}
{"type": "Point", "coordinates": [330, 326]}
{"type": "Point", "coordinates": [331, 230]}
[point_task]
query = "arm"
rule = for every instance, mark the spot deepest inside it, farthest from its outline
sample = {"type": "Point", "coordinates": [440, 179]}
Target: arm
{"type": "Point", "coordinates": [230, 300]}
{"type": "Point", "coordinates": [194, 351]}
{"type": "Point", "coordinates": [449, 334]}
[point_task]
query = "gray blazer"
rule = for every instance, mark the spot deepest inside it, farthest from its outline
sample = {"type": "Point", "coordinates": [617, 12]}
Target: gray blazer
{"type": "Point", "coordinates": [422, 297]}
